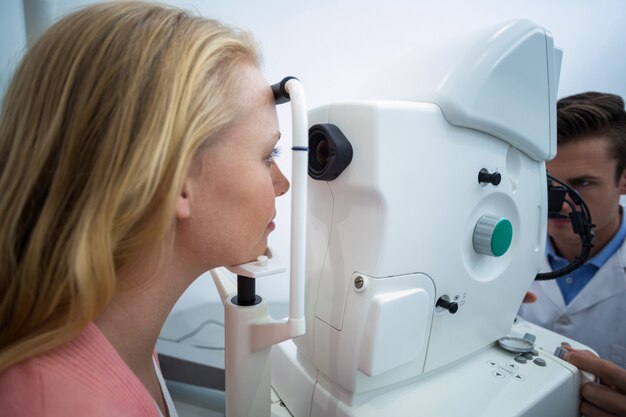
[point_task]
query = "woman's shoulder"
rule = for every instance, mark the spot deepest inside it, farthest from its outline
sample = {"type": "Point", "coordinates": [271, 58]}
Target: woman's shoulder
{"type": "Point", "coordinates": [21, 391]}
{"type": "Point", "coordinates": [82, 378]}
{"type": "Point", "coordinates": [35, 387]}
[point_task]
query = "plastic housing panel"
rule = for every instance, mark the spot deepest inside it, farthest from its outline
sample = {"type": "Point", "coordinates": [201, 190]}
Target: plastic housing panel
{"type": "Point", "coordinates": [502, 80]}
{"type": "Point", "coordinates": [386, 344]}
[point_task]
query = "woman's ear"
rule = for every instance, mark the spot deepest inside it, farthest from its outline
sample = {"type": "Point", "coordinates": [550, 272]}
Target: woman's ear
{"type": "Point", "coordinates": [183, 205]}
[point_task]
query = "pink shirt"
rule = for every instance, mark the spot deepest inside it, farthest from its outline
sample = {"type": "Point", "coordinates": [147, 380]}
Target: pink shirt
{"type": "Point", "coordinates": [86, 377]}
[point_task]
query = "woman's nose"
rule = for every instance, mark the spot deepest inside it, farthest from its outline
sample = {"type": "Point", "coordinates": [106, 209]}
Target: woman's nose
{"type": "Point", "coordinates": [281, 183]}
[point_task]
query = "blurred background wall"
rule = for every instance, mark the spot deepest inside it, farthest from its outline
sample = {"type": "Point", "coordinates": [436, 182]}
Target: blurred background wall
{"type": "Point", "coordinates": [335, 47]}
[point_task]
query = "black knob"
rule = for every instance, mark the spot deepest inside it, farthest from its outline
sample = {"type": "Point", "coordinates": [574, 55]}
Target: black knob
{"type": "Point", "coordinates": [452, 307]}
{"type": "Point", "coordinates": [485, 177]}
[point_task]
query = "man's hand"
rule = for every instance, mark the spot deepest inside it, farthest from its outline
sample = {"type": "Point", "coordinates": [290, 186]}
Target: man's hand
{"type": "Point", "coordinates": [529, 297]}
{"type": "Point", "coordinates": [604, 399]}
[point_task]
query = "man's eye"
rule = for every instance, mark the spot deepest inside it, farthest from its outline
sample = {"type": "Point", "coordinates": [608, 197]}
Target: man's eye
{"type": "Point", "coordinates": [581, 185]}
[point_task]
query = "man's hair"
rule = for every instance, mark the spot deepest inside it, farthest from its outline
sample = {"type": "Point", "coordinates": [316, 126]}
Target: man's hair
{"type": "Point", "coordinates": [594, 114]}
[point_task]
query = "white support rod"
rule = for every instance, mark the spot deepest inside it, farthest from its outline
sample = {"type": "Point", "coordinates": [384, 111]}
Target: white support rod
{"type": "Point", "coordinates": [300, 163]}
{"type": "Point", "coordinates": [250, 331]}
{"type": "Point", "coordinates": [248, 386]}
{"type": "Point", "coordinates": [224, 282]}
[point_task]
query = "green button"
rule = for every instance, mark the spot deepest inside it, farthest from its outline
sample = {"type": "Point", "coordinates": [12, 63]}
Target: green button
{"type": "Point", "coordinates": [501, 237]}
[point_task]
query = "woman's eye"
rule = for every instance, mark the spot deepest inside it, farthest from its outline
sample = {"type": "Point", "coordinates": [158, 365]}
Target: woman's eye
{"type": "Point", "coordinates": [273, 155]}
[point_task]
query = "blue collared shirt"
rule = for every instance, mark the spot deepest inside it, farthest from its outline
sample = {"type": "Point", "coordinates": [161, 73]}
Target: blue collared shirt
{"type": "Point", "coordinates": [574, 282]}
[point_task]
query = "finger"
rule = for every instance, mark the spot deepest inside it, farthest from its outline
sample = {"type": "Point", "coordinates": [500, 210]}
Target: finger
{"type": "Point", "coordinates": [607, 371]}
{"type": "Point", "coordinates": [529, 298]}
{"type": "Point", "coordinates": [604, 398]}
{"type": "Point", "coordinates": [589, 410]}
{"type": "Point", "coordinates": [580, 351]}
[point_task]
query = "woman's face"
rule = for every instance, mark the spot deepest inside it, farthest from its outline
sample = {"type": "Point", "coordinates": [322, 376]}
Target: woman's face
{"type": "Point", "coordinates": [233, 183]}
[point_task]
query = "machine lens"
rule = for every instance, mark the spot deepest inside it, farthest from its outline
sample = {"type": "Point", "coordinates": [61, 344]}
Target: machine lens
{"type": "Point", "coordinates": [330, 152]}
{"type": "Point", "coordinates": [322, 153]}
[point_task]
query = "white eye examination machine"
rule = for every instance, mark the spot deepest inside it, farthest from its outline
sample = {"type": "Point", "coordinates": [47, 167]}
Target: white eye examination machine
{"type": "Point", "coordinates": [426, 224]}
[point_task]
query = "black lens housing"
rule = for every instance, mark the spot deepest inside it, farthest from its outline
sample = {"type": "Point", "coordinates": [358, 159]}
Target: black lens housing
{"type": "Point", "coordinates": [330, 152]}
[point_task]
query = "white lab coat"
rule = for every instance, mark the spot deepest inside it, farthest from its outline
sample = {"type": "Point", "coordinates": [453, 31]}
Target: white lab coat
{"type": "Point", "coordinates": [596, 317]}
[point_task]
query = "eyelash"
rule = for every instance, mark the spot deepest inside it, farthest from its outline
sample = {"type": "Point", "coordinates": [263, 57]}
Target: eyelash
{"type": "Point", "coordinates": [274, 155]}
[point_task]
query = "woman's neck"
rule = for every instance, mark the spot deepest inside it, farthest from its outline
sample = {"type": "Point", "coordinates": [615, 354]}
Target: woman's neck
{"type": "Point", "coordinates": [134, 317]}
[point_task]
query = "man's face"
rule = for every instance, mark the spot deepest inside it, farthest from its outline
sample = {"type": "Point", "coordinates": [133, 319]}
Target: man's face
{"type": "Point", "coordinates": [588, 167]}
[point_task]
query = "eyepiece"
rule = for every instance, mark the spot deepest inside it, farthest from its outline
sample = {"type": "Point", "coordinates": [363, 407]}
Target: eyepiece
{"type": "Point", "coordinates": [330, 152]}
{"type": "Point", "coordinates": [322, 153]}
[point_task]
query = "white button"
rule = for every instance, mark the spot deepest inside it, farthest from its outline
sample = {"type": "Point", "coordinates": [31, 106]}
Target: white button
{"type": "Point", "coordinates": [564, 320]}
{"type": "Point", "coordinates": [569, 280]}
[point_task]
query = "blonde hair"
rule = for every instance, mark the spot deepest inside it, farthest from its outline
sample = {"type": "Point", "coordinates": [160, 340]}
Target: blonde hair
{"type": "Point", "coordinates": [97, 132]}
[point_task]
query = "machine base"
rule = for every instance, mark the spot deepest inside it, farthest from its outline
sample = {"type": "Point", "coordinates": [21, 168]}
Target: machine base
{"type": "Point", "coordinates": [492, 382]}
